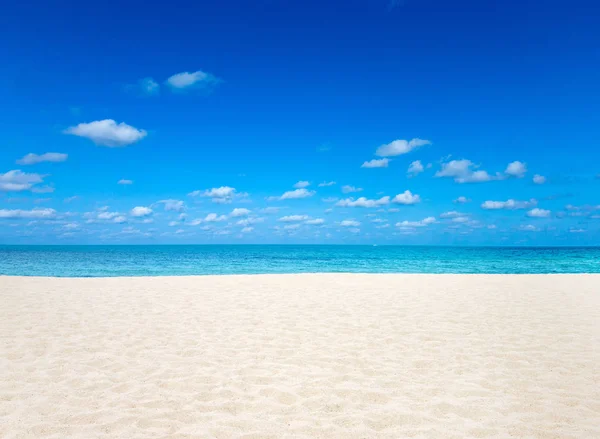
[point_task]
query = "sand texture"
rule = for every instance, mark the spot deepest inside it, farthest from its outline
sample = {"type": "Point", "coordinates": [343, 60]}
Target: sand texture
{"type": "Point", "coordinates": [301, 356]}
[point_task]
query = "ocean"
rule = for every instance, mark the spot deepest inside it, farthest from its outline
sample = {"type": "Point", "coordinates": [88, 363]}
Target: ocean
{"type": "Point", "coordinates": [178, 260]}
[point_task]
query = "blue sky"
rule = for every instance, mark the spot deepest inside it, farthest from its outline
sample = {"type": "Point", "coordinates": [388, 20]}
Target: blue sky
{"type": "Point", "coordinates": [220, 122]}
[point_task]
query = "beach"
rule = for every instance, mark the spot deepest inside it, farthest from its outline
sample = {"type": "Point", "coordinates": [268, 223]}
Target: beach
{"type": "Point", "coordinates": [301, 356]}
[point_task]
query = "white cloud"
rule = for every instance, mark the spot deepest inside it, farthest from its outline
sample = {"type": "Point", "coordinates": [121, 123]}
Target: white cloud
{"type": "Point", "coordinates": [292, 218]}
{"type": "Point", "coordinates": [538, 213]}
{"type": "Point", "coordinates": [69, 199]}
{"type": "Point", "coordinates": [174, 223]}
{"type": "Point", "coordinates": [415, 168]}
{"type": "Point", "coordinates": [348, 189]}
{"type": "Point", "coordinates": [173, 205]}
{"type": "Point", "coordinates": [119, 219]}
{"type": "Point", "coordinates": [219, 192]}
{"type": "Point", "coordinates": [185, 80]}
{"type": "Point", "coordinates": [326, 183]}
{"type": "Point", "coordinates": [34, 213]}
{"type": "Point", "coordinates": [315, 221]}
{"type": "Point", "coordinates": [463, 219]}
{"type": "Point", "coordinates": [464, 171]}
{"type": "Point", "coordinates": [363, 202]}
{"type": "Point", "coordinates": [516, 169]}
{"type": "Point", "coordinates": [293, 195]}
{"type": "Point", "coordinates": [271, 209]}
{"type": "Point", "coordinates": [539, 179]}
{"type": "Point", "coordinates": [350, 223]}
{"type": "Point", "coordinates": [575, 230]}
{"type": "Point", "coordinates": [399, 147]}
{"type": "Point", "coordinates": [140, 211]}
{"type": "Point", "coordinates": [239, 211]}
{"type": "Point", "coordinates": [32, 159]}
{"type": "Point", "coordinates": [103, 215]}
{"type": "Point", "coordinates": [376, 163]}
{"type": "Point", "coordinates": [412, 224]}
{"type": "Point", "coordinates": [247, 229]}
{"type": "Point", "coordinates": [213, 218]}
{"type": "Point", "coordinates": [124, 181]}
{"type": "Point", "coordinates": [406, 198]}
{"type": "Point", "coordinates": [249, 221]}
{"type": "Point", "coordinates": [108, 133]}
{"type": "Point", "coordinates": [462, 200]}
{"type": "Point", "coordinates": [221, 195]}
{"type": "Point", "coordinates": [329, 199]}
{"type": "Point", "coordinates": [16, 181]}
{"type": "Point", "coordinates": [302, 184]}
{"type": "Point", "coordinates": [291, 226]}
{"type": "Point", "coordinates": [508, 204]}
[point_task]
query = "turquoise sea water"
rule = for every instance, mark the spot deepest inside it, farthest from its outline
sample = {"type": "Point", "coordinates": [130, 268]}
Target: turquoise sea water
{"type": "Point", "coordinates": [165, 260]}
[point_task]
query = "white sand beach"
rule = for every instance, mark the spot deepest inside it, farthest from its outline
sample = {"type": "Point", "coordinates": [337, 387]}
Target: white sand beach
{"type": "Point", "coordinates": [301, 356]}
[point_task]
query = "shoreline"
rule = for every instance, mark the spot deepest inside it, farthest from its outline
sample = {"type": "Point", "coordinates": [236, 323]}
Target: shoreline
{"type": "Point", "coordinates": [304, 274]}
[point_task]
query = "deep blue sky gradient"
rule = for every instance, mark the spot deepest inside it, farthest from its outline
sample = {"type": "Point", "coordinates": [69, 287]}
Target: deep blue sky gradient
{"type": "Point", "coordinates": [308, 91]}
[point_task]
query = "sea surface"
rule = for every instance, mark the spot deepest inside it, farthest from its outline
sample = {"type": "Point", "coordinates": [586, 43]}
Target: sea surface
{"type": "Point", "coordinates": [167, 260]}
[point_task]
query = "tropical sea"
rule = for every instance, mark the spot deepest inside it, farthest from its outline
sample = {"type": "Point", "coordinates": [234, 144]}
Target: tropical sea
{"type": "Point", "coordinates": [178, 260]}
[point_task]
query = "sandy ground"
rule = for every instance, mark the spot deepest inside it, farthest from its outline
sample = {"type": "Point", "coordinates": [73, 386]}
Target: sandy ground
{"type": "Point", "coordinates": [276, 356]}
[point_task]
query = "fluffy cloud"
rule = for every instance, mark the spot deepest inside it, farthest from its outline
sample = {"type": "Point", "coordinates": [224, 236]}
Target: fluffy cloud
{"type": "Point", "coordinates": [508, 204]}
{"type": "Point", "coordinates": [213, 218]}
{"type": "Point", "coordinates": [326, 183]}
{"type": "Point", "coordinates": [462, 200]}
{"type": "Point", "coordinates": [516, 169]}
{"type": "Point", "coordinates": [247, 229]}
{"type": "Point", "coordinates": [412, 224]}
{"type": "Point", "coordinates": [32, 159]}
{"type": "Point", "coordinates": [302, 184]}
{"type": "Point", "coordinates": [315, 221]}
{"type": "Point", "coordinates": [291, 226]}
{"type": "Point", "coordinates": [187, 80]}
{"type": "Point", "coordinates": [363, 202]}
{"type": "Point", "coordinates": [538, 213]}
{"type": "Point", "coordinates": [293, 195]}
{"type": "Point", "coordinates": [108, 133]}
{"type": "Point", "coordinates": [141, 211]}
{"type": "Point", "coordinates": [34, 213]}
{"type": "Point", "coordinates": [107, 215]}
{"type": "Point", "coordinates": [124, 181]}
{"type": "Point", "coordinates": [239, 211]}
{"type": "Point", "coordinates": [173, 205]}
{"type": "Point", "coordinates": [539, 179]}
{"type": "Point", "coordinates": [376, 163]}
{"type": "Point", "coordinates": [350, 223]}
{"type": "Point", "coordinates": [399, 147]}
{"type": "Point", "coordinates": [348, 189]}
{"type": "Point", "coordinates": [16, 181]}
{"type": "Point", "coordinates": [415, 168]}
{"type": "Point", "coordinates": [293, 218]}
{"type": "Point", "coordinates": [221, 195]}
{"type": "Point", "coordinates": [406, 198]}
{"type": "Point", "coordinates": [249, 221]}
{"type": "Point", "coordinates": [465, 171]}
